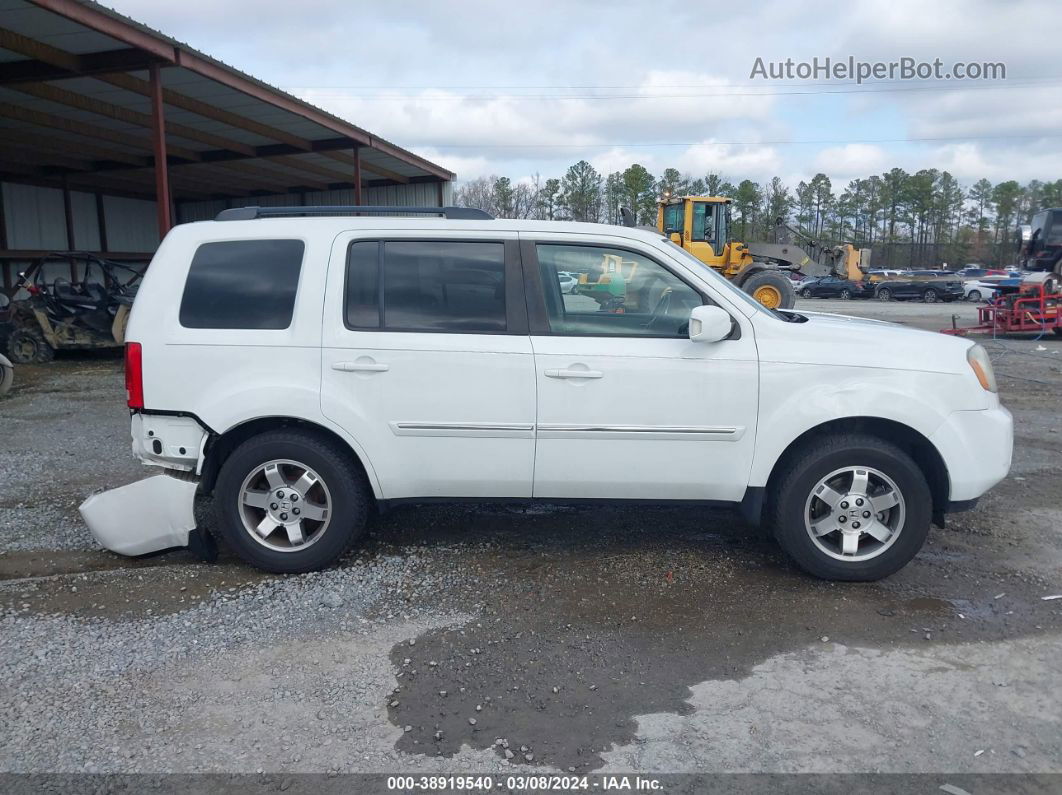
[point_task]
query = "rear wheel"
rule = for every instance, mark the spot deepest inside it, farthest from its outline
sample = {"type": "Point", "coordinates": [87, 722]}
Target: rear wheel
{"type": "Point", "coordinates": [27, 345]}
{"type": "Point", "coordinates": [771, 288]}
{"type": "Point", "coordinates": [930, 296]}
{"type": "Point", "coordinates": [883, 294]}
{"type": "Point", "coordinates": [289, 502]}
{"type": "Point", "coordinates": [851, 508]}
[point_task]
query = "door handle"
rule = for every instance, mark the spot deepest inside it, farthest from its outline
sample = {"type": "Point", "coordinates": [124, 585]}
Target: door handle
{"type": "Point", "coordinates": [574, 374]}
{"type": "Point", "coordinates": [360, 367]}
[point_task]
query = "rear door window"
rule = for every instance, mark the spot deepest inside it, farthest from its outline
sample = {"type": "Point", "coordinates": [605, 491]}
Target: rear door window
{"type": "Point", "coordinates": [242, 284]}
{"type": "Point", "coordinates": [426, 285]}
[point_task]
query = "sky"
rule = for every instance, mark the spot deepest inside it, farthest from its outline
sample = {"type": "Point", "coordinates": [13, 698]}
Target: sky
{"type": "Point", "coordinates": [518, 89]}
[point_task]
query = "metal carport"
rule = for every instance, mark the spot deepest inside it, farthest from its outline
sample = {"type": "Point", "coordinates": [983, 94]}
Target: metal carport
{"type": "Point", "coordinates": [110, 132]}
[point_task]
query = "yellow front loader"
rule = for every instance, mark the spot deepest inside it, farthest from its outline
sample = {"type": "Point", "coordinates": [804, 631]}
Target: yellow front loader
{"type": "Point", "coordinates": [701, 225]}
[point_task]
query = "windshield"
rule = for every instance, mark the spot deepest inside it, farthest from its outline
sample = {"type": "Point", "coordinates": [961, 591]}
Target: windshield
{"type": "Point", "coordinates": [736, 292]}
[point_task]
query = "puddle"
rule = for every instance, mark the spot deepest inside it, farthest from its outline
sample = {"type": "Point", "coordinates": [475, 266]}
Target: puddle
{"type": "Point", "coordinates": [576, 638]}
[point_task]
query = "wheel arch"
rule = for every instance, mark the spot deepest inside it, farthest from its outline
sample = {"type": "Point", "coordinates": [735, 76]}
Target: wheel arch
{"type": "Point", "coordinates": [914, 443]}
{"type": "Point", "coordinates": [750, 270]}
{"type": "Point", "coordinates": [221, 446]}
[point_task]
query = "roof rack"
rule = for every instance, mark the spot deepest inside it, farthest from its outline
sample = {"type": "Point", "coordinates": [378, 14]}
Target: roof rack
{"type": "Point", "coordinates": [451, 213]}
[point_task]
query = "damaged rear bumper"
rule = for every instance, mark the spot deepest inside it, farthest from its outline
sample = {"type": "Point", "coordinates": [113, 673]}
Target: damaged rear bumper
{"type": "Point", "coordinates": [149, 515]}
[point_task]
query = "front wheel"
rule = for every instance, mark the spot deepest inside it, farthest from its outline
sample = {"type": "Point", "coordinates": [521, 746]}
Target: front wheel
{"type": "Point", "coordinates": [846, 294]}
{"type": "Point", "coordinates": [290, 502]}
{"type": "Point", "coordinates": [851, 507]}
{"type": "Point", "coordinates": [973, 295]}
{"type": "Point", "coordinates": [771, 288]}
{"type": "Point", "coordinates": [884, 294]}
{"type": "Point", "coordinates": [806, 293]}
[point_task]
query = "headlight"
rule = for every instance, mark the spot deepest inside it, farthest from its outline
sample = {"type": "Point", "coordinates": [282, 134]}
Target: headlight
{"type": "Point", "coordinates": [982, 367]}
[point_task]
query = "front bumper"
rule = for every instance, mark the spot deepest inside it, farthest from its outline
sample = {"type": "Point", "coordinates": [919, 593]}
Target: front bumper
{"type": "Point", "coordinates": [976, 447]}
{"type": "Point", "coordinates": [149, 515]}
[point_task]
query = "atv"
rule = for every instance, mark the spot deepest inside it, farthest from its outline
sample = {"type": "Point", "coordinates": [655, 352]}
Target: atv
{"type": "Point", "coordinates": [91, 312]}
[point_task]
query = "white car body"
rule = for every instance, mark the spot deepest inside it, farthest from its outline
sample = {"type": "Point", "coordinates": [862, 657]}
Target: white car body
{"type": "Point", "coordinates": [978, 290]}
{"type": "Point", "coordinates": [486, 416]}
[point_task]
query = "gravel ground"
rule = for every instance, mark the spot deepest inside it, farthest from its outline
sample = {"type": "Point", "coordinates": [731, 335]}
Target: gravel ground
{"type": "Point", "coordinates": [463, 639]}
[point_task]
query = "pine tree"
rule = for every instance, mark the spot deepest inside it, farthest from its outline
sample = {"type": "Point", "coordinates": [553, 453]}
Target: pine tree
{"type": "Point", "coordinates": [581, 192]}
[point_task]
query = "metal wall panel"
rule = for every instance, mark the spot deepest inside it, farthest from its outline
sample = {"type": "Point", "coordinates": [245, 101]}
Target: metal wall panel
{"type": "Point", "coordinates": [188, 212]}
{"type": "Point", "coordinates": [419, 194]}
{"type": "Point", "coordinates": [132, 224]}
{"type": "Point", "coordinates": [86, 224]}
{"type": "Point", "coordinates": [34, 217]}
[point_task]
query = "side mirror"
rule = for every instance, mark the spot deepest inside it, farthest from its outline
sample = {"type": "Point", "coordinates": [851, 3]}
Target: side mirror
{"type": "Point", "coordinates": [709, 324]}
{"type": "Point", "coordinates": [675, 238]}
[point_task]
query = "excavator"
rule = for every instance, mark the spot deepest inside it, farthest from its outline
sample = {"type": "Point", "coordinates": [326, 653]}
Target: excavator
{"type": "Point", "coordinates": [701, 225]}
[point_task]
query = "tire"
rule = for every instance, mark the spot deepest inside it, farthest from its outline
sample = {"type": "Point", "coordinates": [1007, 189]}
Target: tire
{"type": "Point", "coordinates": [807, 294]}
{"type": "Point", "coordinates": [794, 505]}
{"type": "Point", "coordinates": [973, 295]}
{"type": "Point", "coordinates": [26, 345]}
{"type": "Point", "coordinates": [339, 486]}
{"type": "Point", "coordinates": [7, 376]}
{"type": "Point", "coordinates": [846, 294]}
{"type": "Point", "coordinates": [930, 296]}
{"type": "Point", "coordinates": [771, 288]}
{"type": "Point", "coordinates": [883, 294]}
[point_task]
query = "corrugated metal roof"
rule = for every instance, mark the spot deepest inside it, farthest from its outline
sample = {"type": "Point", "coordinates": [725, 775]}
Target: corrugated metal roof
{"type": "Point", "coordinates": [250, 136]}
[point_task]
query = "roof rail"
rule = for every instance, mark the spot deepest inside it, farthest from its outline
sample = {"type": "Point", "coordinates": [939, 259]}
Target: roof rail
{"type": "Point", "coordinates": [451, 213]}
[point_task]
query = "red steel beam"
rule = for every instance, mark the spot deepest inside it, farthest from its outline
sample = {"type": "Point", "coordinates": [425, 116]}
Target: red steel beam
{"type": "Point", "coordinates": [162, 176]}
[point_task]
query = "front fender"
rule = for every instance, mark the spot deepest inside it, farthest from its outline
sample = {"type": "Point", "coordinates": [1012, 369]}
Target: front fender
{"type": "Point", "coordinates": [795, 400]}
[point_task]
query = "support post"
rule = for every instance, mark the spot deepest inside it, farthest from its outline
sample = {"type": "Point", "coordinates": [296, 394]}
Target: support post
{"type": "Point", "coordinates": [101, 222]}
{"type": "Point", "coordinates": [3, 221]}
{"type": "Point", "coordinates": [357, 174]}
{"type": "Point", "coordinates": [158, 133]}
{"type": "Point", "coordinates": [68, 216]}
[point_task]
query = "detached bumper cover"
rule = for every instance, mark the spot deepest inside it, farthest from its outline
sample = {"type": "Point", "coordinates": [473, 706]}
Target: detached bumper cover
{"type": "Point", "coordinates": [146, 516]}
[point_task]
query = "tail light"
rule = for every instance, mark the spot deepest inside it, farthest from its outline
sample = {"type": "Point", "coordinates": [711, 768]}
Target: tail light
{"type": "Point", "coordinates": [134, 375]}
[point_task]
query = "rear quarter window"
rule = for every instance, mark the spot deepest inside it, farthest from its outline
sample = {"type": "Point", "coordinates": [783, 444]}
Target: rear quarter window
{"type": "Point", "coordinates": [242, 284]}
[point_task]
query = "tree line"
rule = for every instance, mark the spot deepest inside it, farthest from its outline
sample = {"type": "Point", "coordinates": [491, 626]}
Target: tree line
{"type": "Point", "coordinates": [924, 219]}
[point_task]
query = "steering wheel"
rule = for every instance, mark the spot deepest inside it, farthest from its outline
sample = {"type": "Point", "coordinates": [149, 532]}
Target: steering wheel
{"type": "Point", "coordinates": [661, 309]}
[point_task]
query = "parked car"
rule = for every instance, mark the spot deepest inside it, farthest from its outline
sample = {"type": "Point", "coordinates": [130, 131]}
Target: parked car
{"type": "Point", "coordinates": [929, 289]}
{"type": "Point", "coordinates": [977, 271]}
{"type": "Point", "coordinates": [308, 370]}
{"type": "Point", "coordinates": [978, 290]}
{"type": "Point", "coordinates": [879, 274]}
{"type": "Point", "coordinates": [834, 287]}
{"type": "Point", "coordinates": [567, 282]}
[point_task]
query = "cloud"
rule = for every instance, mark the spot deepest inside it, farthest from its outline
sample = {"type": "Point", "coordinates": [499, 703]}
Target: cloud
{"type": "Point", "coordinates": [446, 80]}
{"type": "Point", "coordinates": [847, 162]}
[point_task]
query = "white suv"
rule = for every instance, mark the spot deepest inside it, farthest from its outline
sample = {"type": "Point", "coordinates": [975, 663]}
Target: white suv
{"type": "Point", "coordinates": [304, 369]}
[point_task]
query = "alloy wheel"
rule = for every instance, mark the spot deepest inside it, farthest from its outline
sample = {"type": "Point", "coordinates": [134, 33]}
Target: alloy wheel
{"type": "Point", "coordinates": [854, 513]}
{"type": "Point", "coordinates": [285, 506]}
